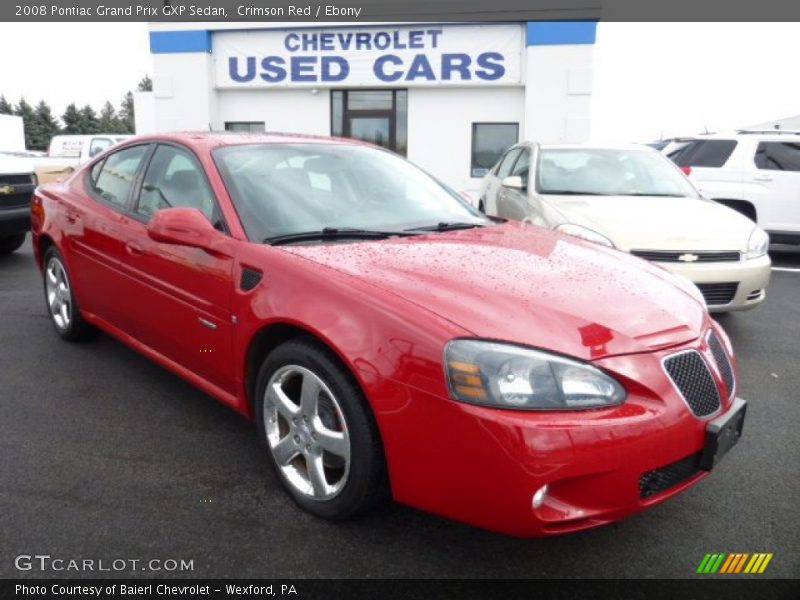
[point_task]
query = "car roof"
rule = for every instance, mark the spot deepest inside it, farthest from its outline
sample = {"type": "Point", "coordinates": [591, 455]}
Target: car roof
{"type": "Point", "coordinates": [766, 134]}
{"type": "Point", "coordinates": [208, 140]}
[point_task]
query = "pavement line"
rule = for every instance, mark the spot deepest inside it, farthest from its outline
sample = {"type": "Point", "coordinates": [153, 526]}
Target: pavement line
{"type": "Point", "coordinates": [786, 269]}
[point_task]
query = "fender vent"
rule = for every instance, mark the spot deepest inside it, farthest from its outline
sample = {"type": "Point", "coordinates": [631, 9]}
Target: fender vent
{"type": "Point", "coordinates": [250, 278]}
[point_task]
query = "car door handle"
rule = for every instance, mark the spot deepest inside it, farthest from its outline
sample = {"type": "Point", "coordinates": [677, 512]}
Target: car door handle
{"type": "Point", "coordinates": [762, 178]}
{"type": "Point", "coordinates": [134, 249]}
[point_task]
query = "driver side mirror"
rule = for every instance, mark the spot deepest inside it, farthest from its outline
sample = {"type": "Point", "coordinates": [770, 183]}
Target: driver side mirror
{"type": "Point", "coordinates": [515, 182]}
{"type": "Point", "coordinates": [187, 227]}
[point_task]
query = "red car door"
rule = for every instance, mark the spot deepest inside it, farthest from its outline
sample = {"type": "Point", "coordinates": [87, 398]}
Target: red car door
{"type": "Point", "coordinates": [183, 300]}
{"type": "Point", "coordinates": [95, 228]}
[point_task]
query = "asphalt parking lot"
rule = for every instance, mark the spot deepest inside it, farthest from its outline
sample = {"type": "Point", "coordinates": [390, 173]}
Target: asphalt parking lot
{"type": "Point", "coordinates": [106, 455]}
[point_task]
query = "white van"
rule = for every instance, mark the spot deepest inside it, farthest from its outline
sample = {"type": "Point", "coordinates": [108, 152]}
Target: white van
{"type": "Point", "coordinates": [80, 148]}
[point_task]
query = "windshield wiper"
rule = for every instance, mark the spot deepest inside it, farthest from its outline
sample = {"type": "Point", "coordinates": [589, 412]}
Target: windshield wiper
{"type": "Point", "coordinates": [447, 226]}
{"type": "Point", "coordinates": [332, 233]}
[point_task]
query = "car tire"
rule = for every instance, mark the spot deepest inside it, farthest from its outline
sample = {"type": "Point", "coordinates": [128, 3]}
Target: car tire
{"type": "Point", "coordinates": [338, 439]}
{"type": "Point", "coordinates": [65, 315]}
{"type": "Point", "coordinates": [11, 243]}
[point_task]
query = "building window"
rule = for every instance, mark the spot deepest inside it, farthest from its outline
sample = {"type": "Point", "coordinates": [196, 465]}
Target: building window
{"type": "Point", "coordinates": [376, 116]}
{"type": "Point", "coordinates": [245, 126]}
{"type": "Point", "coordinates": [489, 141]}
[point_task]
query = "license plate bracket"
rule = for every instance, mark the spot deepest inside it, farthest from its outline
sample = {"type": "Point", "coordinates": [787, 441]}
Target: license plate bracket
{"type": "Point", "coordinates": [722, 434]}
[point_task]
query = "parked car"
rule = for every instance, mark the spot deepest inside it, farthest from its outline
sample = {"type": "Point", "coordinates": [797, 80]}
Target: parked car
{"type": "Point", "coordinates": [17, 182]}
{"type": "Point", "coordinates": [388, 338]}
{"type": "Point", "coordinates": [754, 172]}
{"type": "Point", "coordinates": [80, 148]}
{"type": "Point", "coordinates": [631, 198]}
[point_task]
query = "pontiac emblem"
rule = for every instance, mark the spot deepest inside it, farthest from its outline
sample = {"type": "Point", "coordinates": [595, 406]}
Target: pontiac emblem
{"type": "Point", "coordinates": [5, 190]}
{"type": "Point", "coordinates": [688, 257]}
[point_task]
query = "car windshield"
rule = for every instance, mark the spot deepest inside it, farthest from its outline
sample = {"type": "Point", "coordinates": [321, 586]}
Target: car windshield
{"type": "Point", "coordinates": [293, 188]}
{"type": "Point", "coordinates": [596, 172]}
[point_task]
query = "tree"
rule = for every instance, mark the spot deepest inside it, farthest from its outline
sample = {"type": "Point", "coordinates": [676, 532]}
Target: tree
{"type": "Point", "coordinates": [145, 85]}
{"type": "Point", "coordinates": [109, 122]}
{"type": "Point", "coordinates": [5, 106]}
{"type": "Point", "coordinates": [25, 110]}
{"type": "Point", "coordinates": [72, 119]}
{"type": "Point", "coordinates": [126, 114]}
{"type": "Point", "coordinates": [46, 127]}
{"type": "Point", "coordinates": [89, 121]}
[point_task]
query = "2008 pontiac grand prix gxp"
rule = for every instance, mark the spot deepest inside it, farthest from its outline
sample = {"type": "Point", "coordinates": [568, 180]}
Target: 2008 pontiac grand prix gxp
{"type": "Point", "coordinates": [389, 339]}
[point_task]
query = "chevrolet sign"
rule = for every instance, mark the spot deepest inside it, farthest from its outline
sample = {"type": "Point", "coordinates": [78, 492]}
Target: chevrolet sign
{"type": "Point", "coordinates": [6, 190]}
{"type": "Point", "coordinates": [688, 257]}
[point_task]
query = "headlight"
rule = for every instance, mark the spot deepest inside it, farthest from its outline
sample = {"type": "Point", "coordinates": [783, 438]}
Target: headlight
{"type": "Point", "coordinates": [758, 243]}
{"type": "Point", "coordinates": [585, 234]}
{"type": "Point", "coordinates": [507, 376]}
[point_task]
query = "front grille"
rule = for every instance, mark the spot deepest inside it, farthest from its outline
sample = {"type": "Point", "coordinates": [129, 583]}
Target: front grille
{"type": "Point", "coordinates": [688, 256]}
{"type": "Point", "coordinates": [690, 374]}
{"type": "Point", "coordinates": [717, 294]}
{"type": "Point", "coordinates": [21, 179]}
{"type": "Point", "coordinates": [14, 200]}
{"type": "Point", "coordinates": [663, 478]}
{"type": "Point", "coordinates": [723, 363]}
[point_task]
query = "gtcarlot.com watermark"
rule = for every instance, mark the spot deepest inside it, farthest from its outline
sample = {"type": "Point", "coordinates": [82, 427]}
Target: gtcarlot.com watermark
{"type": "Point", "coordinates": [48, 563]}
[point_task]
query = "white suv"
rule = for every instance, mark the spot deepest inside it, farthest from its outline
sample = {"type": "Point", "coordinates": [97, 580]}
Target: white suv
{"type": "Point", "coordinates": [754, 172]}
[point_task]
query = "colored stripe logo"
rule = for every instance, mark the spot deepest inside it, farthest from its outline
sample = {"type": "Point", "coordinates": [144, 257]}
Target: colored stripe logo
{"type": "Point", "coordinates": [735, 562]}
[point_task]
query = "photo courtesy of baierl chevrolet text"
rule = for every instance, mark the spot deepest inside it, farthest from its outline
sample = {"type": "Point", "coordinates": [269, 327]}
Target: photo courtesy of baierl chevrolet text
{"type": "Point", "coordinates": [393, 300]}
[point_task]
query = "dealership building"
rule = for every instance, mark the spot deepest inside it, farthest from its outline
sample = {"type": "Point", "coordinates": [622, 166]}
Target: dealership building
{"type": "Point", "coordinates": [450, 97]}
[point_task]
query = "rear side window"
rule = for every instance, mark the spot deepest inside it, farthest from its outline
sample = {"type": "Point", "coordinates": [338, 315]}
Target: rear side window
{"type": "Point", "coordinates": [115, 178]}
{"type": "Point", "coordinates": [704, 153]}
{"type": "Point", "coordinates": [778, 156]}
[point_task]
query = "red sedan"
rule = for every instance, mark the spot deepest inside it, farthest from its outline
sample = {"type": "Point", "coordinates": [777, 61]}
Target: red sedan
{"type": "Point", "coordinates": [387, 338]}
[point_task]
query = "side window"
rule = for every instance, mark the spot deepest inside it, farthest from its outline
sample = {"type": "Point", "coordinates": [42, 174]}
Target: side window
{"type": "Point", "coordinates": [489, 140]}
{"type": "Point", "coordinates": [522, 166]}
{"type": "Point", "coordinates": [98, 145]}
{"type": "Point", "coordinates": [504, 170]}
{"type": "Point", "coordinates": [778, 156]}
{"type": "Point", "coordinates": [115, 177]}
{"type": "Point", "coordinates": [706, 153]}
{"type": "Point", "coordinates": [174, 178]}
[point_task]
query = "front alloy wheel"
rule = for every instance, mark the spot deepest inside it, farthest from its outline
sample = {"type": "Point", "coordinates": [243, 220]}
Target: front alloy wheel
{"type": "Point", "coordinates": [319, 430]}
{"type": "Point", "coordinates": [306, 432]}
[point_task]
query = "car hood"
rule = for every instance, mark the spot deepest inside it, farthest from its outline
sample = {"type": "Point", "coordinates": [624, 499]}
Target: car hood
{"type": "Point", "coordinates": [657, 223]}
{"type": "Point", "coordinates": [528, 285]}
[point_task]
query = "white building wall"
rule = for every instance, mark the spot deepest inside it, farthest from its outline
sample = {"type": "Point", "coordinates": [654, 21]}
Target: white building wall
{"type": "Point", "coordinates": [558, 93]}
{"type": "Point", "coordinates": [287, 110]}
{"type": "Point", "coordinates": [440, 127]}
{"type": "Point", "coordinates": [184, 92]}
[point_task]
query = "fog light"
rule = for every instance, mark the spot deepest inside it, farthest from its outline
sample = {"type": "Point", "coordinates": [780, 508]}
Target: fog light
{"type": "Point", "coordinates": [539, 496]}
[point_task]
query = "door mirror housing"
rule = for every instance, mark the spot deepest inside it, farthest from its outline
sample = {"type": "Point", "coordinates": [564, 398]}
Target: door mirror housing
{"type": "Point", "coordinates": [515, 182]}
{"type": "Point", "coordinates": [184, 227]}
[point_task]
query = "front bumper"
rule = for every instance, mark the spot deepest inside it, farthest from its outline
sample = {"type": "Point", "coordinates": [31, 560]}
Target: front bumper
{"type": "Point", "coordinates": [14, 221]}
{"type": "Point", "coordinates": [483, 465]}
{"type": "Point", "coordinates": [752, 277]}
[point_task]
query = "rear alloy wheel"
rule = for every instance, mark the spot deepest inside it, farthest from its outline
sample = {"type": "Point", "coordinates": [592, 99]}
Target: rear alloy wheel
{"type": "Point", "coordinates": [11, 243]}
{"type": "Point", "coordinates": [320, 433]}
{"type": "Point", "coordinates": [61, 303]}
